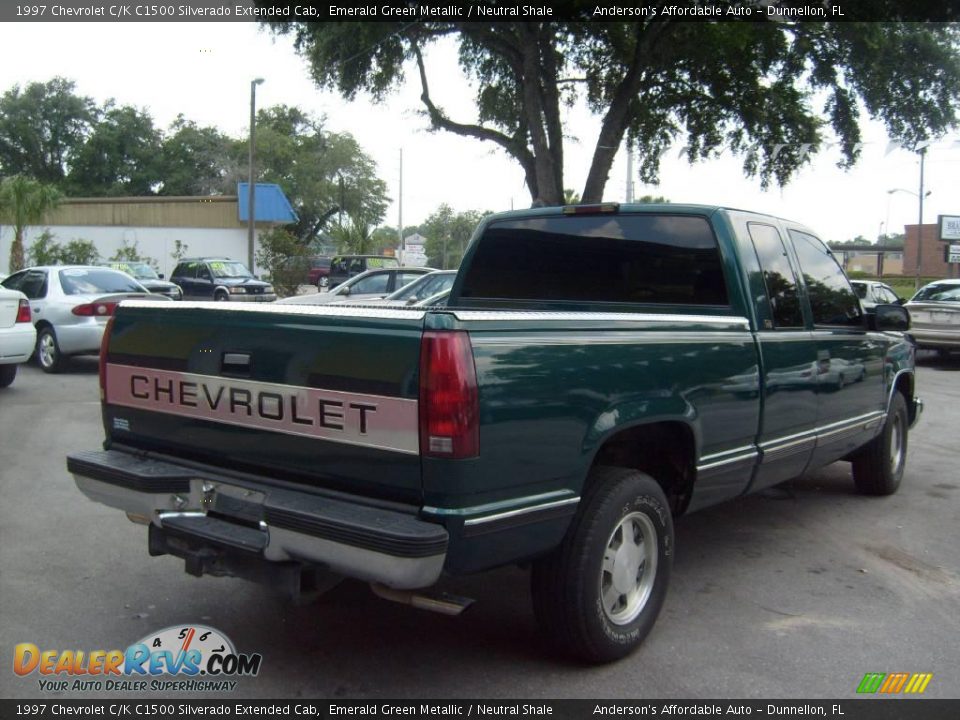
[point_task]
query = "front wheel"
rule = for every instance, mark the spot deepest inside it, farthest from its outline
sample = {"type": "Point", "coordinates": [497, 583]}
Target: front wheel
{"type": "Point", "coordinates": [48, 351]}
{"type": "Point", "coordinates": [598, 595]}
{"type": "Point", "coordinates": [878, 467]}
{"type": "Point", "coordinates": [221, 296]}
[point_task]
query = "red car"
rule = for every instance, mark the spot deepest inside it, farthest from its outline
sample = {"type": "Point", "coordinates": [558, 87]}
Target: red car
{"type": "Point", "coordinates": [318, 271]}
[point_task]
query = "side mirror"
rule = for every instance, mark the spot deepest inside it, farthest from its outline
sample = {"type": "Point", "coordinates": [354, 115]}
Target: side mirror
{"type": "Point", "coordinates": [345, 291]}
{"type": "Point", "coordinates": [890, 317]}
{"type": "Point", "coordinates": [160, 275]}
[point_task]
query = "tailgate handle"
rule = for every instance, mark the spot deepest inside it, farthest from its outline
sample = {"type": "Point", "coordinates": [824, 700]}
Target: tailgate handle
{"type": "Point", "coordinates": [236, 364]}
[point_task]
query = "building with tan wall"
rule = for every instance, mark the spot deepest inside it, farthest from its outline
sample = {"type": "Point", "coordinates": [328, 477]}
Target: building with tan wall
{"type": "Point", "coordinates": [205, 226]}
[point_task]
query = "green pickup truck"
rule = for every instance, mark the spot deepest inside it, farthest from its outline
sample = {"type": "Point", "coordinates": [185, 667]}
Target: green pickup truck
{"type": "Point", "coordinates": [596, 372]}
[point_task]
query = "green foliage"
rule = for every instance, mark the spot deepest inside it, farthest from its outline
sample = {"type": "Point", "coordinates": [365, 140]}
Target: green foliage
{"type": "Point", "coordinates": [284, 258]}
{"type": "Point", "coordinates": [354, 237]}
{"type": "Point", "coordinates": [652, 199]}
{"type": "Point", "coordinates": [42, 128]}
{"type": "Point", "coordinates": [79, 252]}
{"type": "Point", "coordinates": [447, 234]}
{"type": "Point", "coordinates": [24, 201]}
{"type": "Point", "coordinates": [776, 93]}
{"type": "Point", "coordinates": [180, 249]}
{"type": "Point", "coordinates": [49, 132]}
{"type": "Point", "coordinates": [319, 172]}
{"type": "Point", "coordinates": [45, 250]}
{"type": "Point", "coordinates": [130, 252]}
{"type": "Point", "coordinates": [857, 274]}
{"type": "Point", "coordinates": [120, 158]}
{"type": "Point", "coordinates": [195, 160]}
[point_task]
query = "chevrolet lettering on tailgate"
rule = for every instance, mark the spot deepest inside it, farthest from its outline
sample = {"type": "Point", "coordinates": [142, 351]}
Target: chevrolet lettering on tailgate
{"type": "Point", "coordinates": [382, 422]}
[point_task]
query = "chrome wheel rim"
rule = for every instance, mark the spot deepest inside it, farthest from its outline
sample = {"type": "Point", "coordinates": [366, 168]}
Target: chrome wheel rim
{"type": "Point", "coordinates": [896, 445]}
{"type": "Point", "coordinates": [629, 568]}
{"type": "Point", "coordinates": [47, 350]}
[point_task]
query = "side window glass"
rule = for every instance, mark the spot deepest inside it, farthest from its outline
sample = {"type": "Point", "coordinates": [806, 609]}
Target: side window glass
{"type": "Point", "coordinates": [778, 276]}
{"type": "Point", "coordinates": [34, 285]}
{"type": "Point", "coordinates": [832, 300]}
{"type": "Point", "coordinates": [373, 284]}
{"type": "Point", "coordinates": [203, 272]}
{"type": "Point", "coordinates": [14, 281]}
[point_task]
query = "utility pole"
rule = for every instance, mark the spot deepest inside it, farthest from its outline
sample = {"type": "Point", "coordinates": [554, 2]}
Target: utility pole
{"type": "Point", "coordinates": [923, 154]}
{"type": "Point", "coordinates": [251, 192]}
{"type": "Point", "coordinates": [629, 174]}
{"type": "Point", "coordinates": [400, 243]}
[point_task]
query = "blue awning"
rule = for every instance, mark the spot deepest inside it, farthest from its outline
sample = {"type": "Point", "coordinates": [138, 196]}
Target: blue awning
{"type": "Point", "coordinates": [270, 204]}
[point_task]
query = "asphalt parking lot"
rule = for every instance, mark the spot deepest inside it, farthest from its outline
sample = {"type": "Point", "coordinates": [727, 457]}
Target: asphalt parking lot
{"type": "Point", "coordinates": [794, 593]}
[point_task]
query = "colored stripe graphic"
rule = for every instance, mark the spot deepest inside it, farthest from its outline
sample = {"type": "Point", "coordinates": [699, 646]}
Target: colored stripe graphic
{"type": "Point", "coordinates": [871, 682]}
{"type": "Point", "coordinates": [918, 683]}
{"type": "Point", "coordinates": [893, 683]}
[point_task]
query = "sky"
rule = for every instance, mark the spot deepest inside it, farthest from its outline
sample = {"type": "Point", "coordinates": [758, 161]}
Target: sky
{"type": "Point", "coordinates": [203, 70]}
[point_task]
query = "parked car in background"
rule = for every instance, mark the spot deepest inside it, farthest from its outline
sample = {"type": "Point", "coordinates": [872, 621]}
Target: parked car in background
{"type": "Point", "coordinates": [17, 334]}
{"type": "Point", "coordinates": [145, 274]}
{"type": "Point", "coordinates": [318, 272]}
{"type": "Point", "coordinates": [70, 306]}
{"type": "Point", "coordinates": [935, 316]}
{"type": "Point", "coordinates": [438, 300]}
{"type": "Point", "coordinates": [371, 285]}
{"type": "Point", "coordinates": [423, 287]}
{"type": "Point", "coordinates": [344, 267]}
{"type": "Point", "coordinates": [873, 293]}
{"type": "Point", "coordinates": [220, 279]}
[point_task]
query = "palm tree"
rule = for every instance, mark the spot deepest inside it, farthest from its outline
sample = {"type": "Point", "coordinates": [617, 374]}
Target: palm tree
{"type": "Point", "coordinates": [24, 201]}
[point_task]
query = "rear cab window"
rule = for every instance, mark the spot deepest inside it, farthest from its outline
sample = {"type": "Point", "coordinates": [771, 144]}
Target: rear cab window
{"type": "Point", "coordinates": [604, 259]}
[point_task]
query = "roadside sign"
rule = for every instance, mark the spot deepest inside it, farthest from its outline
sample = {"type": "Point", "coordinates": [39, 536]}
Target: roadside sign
{"type": "Point", "coordinates": [949, 227]}
{"type": "Point", "coordinates": [954, 256]}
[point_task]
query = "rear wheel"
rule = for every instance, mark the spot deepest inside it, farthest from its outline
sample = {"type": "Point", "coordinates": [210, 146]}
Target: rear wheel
{"type": "Point", "coordinates": [48, 351]}
{"type": "Point", "coordinates": [7, 374]}
{"type": "Point", "coordinates": [598, 595]}
{"type": "Point", "coordinates": [878, 467]}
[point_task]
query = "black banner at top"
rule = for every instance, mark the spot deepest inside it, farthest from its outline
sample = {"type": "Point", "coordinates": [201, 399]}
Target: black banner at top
{"type": "Point", "coordinates": [437, 709]}
{"type": "Point", "coordinates": [791, 11]}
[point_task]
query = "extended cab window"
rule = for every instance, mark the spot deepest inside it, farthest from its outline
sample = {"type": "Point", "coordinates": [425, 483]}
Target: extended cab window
{"type": "Point", "coordinates": [649, 259]}
{"type": "Point", "coordinates": [832, 300]}
{"type": "Point", "coordinates": [778, 276]}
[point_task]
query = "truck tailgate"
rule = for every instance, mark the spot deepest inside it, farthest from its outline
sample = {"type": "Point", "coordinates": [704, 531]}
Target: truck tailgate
{"type": "Point", "coordinates": [319, 396]}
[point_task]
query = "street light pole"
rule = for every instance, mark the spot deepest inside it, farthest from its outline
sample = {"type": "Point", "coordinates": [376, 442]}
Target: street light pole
{"type": "Point", "coordinates": [923, 154]}
{"type": "Point", "coordinates": [251, 197]}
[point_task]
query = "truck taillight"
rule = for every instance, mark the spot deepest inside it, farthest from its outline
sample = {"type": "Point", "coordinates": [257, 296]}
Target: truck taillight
{"type": "Point", "coordinates": [449, 404]}
{"type": "Point", "coordinates": [23, 312]}
{"type": "Point", "coordinates": [104, 343]}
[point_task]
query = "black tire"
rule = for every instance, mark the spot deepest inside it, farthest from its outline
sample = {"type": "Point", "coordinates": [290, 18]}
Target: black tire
{"type": "Point", "coordinates": [597, 606]}
{"type": "Point", "coordinates": [221, 296]}
{"type": "Point", "coordinates": [878, 467]}
{"type": "Point", "coordinates": [7, 374]}
{"type": "Point", "coordinates": [49, 357]}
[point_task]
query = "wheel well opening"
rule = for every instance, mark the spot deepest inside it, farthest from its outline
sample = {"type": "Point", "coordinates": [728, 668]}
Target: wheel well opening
{"type": "Point", "coordinates": [664, 451]}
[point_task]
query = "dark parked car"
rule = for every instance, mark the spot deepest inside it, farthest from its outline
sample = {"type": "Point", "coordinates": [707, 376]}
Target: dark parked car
{"type": "Point", "coordinates": [319, 272]}
{"type": "Point", "coordinates": [220, 279]}
{"type": "Point", "coordinates": [344, 267]}
{"type": "Point", "coordinates": [145, 274]}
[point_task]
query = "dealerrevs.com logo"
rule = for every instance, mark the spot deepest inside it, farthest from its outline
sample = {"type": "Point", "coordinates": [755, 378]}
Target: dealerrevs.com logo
{"type": "Point", "coordinates": [180, 658]}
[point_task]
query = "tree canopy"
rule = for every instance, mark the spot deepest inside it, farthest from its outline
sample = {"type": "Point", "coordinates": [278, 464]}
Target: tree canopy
{"type": "Point", "coordinates": [776, 93]}
{"type": "Point", "coordinates": [49, 132]}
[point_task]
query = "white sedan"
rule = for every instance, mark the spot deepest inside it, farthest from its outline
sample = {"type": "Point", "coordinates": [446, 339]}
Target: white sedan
{"type": "Point", "coordinates": [17, 334]}
{"type": "Point", "coordinates": [368, 285]}
{"type": "Point", "coordinates": [70, 305]}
